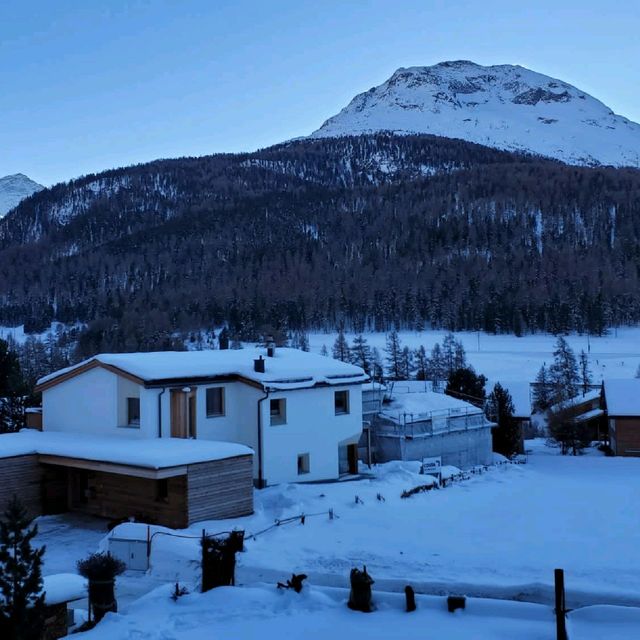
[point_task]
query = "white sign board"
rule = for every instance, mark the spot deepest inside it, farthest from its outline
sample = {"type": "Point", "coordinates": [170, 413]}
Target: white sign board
{"type": "Point", "coordinates": [432, 467]}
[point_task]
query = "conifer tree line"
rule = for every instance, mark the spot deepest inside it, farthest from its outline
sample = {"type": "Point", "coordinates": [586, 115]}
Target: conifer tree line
{"type": "Point", "coordinates": [317, 234]}
{"type": "Point", "coordinates": [400, 362]}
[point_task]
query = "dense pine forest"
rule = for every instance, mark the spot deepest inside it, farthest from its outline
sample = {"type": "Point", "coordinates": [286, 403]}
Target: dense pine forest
{"type": "Point", "coordinates": [368, 233]}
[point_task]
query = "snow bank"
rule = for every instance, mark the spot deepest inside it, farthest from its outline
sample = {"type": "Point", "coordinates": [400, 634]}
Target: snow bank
{"type": "Point", "coordinates": [318, 614]}
{"type": "Point", "coordinates": [64, 587]}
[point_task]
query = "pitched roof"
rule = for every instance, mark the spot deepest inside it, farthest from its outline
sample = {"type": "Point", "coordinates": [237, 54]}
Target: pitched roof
{"type": "Point", "coordinates": [622, 396]}
{"type": "Point", "coordinates": [288, 369]}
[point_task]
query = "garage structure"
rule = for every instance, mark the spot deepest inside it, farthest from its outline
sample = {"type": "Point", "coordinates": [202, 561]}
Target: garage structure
{"type": "Point", "coordinates": [172, 482]}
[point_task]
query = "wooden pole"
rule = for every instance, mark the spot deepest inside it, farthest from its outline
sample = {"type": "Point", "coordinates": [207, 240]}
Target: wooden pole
{"type": "Point", "coordinates": [561, 620]}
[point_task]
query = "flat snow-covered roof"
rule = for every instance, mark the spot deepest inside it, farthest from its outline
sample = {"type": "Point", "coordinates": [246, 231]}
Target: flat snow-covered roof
{"type": "Point", "coordinates": [425, 403]}
{"type": "Point", "coordinates": [157, 453]}
{"type": "Point", "coordinates": [288, 369]}
{"type": "Point", "coordinates": [622, 396]}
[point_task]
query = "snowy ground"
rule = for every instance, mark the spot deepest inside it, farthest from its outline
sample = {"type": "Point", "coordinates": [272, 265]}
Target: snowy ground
{"type": "Point", "coordinates": [509, 358]}
{"type": "Point", "coordinates": [318, 614]}
{"type": "Point", "coordinates": [499, 534]}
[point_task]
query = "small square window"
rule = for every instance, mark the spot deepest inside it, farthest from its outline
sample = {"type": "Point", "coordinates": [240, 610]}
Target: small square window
{"type": "Point", "coordinates": [133, 412]}
{"type": "Point", "coordinates": [215, 402]}
{"type": "Point", "coordinates": [341, 402]}
{"type": "Point", "coordinates": [303, 464]}
{"type": "Point", "coordinates": [278, 411]}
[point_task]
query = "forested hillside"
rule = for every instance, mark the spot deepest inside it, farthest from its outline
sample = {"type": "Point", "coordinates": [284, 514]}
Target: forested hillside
{"type": "Point", "coordinates": [370, 232]}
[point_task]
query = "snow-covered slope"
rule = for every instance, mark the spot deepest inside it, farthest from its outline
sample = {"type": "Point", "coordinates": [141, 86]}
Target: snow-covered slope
{"type": "Point", "coordinates": [507, 107]}
{"type": "Point", "coordinates": [15, 188]}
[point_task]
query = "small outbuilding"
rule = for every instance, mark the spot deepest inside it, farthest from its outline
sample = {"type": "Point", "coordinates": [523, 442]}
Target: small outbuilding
{"type": "Point", "coordinates": [168, 481]}
{"type": "Point", "coordinates": [621, 400]}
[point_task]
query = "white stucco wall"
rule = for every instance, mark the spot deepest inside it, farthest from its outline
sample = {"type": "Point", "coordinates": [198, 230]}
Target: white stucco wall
{"type": "Point", "coordinates": [312, 427]}
{"type": "Point", "coordinates": [93, 402]}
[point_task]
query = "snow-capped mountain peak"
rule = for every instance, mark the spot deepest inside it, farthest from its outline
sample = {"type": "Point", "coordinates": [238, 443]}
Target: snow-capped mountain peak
{"type": "Point", "coordinates": [15, 188]}
{"type": "Point", "coordinates": [503, 106]}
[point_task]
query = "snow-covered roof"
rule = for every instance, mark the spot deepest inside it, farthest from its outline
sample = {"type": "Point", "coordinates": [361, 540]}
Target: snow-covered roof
{"type": "Point", "coordinates": [594, 394]}
{"type": "Point", "coordinates": [622, 396]}
{"type": "Point", "coordinates": [588, 415]}
{"type": "Point", "coordinates": [157, 453]}
{"type": "Point", "coordinates": [425, 404]}
{"type": "Point", "coordinates": [288, 369]}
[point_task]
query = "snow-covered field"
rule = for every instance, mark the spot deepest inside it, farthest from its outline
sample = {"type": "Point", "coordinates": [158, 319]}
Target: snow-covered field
{"type": "Point", "coordinates": [508, 358]}
{"type": "Point", "coordinates": [500, 534]}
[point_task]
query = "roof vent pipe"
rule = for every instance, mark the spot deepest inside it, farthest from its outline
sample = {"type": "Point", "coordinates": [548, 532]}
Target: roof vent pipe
{"type": "Point", "coordinates": [258, 365]}
{"type": "Point", "coordinates": [271, 347]}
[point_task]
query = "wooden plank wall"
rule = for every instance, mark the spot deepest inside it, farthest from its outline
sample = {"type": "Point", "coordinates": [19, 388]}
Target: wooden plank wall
{"type": "Point", "coordinates": [627, 432]}
{"type": "Point", "coordinates": [22, 476]}
{"type": "Point", "coordinates": [220, 489]}
{"type": "Point", "coordinates": [116, 496]}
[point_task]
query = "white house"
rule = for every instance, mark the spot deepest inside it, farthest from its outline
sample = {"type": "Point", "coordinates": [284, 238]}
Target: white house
{"type": "Point", "coordinates": [301, 413]}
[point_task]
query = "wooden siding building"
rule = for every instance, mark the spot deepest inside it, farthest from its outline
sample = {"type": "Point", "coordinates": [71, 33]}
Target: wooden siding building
{"type": "Point", "coordinates": [169, 494]}
{"type": "Point", "coordinates": [621, 399]}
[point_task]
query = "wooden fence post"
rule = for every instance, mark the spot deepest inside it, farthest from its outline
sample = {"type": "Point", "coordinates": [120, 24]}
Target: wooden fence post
{"type": "Point", "coordinates": [561, 620]}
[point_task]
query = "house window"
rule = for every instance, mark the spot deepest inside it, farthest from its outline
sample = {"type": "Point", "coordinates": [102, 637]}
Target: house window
{"type": "Point", "coordinates": [278, 409]}
{"type": "Point", "coordinates": [303, 464]}
{"type": "Point", "coordinates": [341, 402]}
{"type": "Point", "coordinates": [215, 402]}
{"type": "Point", "coordinates": [133, 412]}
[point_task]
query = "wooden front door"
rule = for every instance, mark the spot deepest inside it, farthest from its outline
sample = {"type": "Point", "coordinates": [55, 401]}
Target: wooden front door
{"type": "Point", "coordinates": [179, 414]}
{"type": "Point", "coordinates": [183, 413]}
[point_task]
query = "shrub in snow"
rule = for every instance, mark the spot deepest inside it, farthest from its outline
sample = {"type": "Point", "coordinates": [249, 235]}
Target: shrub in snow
{"type": "Point", "coordinates": [422, 488]}
{"type": "Point", "coordinates": [101, 570]}
{"type": "Point", "coordinates": [219, 560]}
{"type": "Point", "coordinates": [178, 592]}
{"type": "Point", "coordinates": [21, 597]}
{"type": "Point", "coordinates": [360, 595]}
{"type": "Point", "coordinates": [294, 583]}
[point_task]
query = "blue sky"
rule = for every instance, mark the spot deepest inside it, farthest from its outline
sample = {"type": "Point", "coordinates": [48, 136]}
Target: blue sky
{"type": "Point", "coordinates": [90, 85]}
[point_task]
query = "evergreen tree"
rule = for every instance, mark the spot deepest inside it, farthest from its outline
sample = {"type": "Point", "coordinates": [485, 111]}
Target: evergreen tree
{"type": "Point", "coordinates": [21, 597]}
{"type": "Point", "coordinates": [466, 385]}
{"type": "Point", "coordinates": [406, 363]}
{"type": "Point", "coordinates": [324, 351]}
{"type": "Point", "coordinates": [436, 370]}
{"type": "Point", "coordinates": [12, 390]}
{"type": "Point", "coordinates": [340, 349]}
{"type": "Point", "coordinates": [303, 342]}
{"type": "Point", "coordinates": [499, 409]}
{"type": "Point", "coordinates": [585, 372]}
{"type": "Point", "coordinates": [449, 353]}
{"type": "Point", "coordinates": [223, 338]}
{"type": "Point", "coordinates": [564, 371]}
{"type": "Point", "coordinates": [394, 356]}
{"type": "Point", "coordinates": [421, 362]}
{"type": "Point", "coordinates": [542, 390]}
{"type": "Point", "coordinates": [361, 353]}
